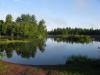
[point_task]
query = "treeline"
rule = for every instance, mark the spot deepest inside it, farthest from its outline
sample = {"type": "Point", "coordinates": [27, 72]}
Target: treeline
{"type": "Point", "coordinates": [24, 26]}
{"type": "Point", "coordinates": [74, 39]}
{"type": "Point", "coordinates": [74, 31]}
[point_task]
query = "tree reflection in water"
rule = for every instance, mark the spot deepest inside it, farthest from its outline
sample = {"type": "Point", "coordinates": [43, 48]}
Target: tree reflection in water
{"type": "Point", "coordinates": [74, 39]}
{"type": "Point", "coordinates": [75, 65]}
{"type": "Point", "coordinates": [25, 50]}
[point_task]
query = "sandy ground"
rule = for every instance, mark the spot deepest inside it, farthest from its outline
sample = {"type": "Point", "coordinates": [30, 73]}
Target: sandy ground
{"type": "Point", "coordinates": [15, 69]}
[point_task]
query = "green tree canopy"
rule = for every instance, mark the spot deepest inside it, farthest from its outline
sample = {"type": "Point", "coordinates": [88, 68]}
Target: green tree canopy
{"type": "Point", "coordinates": [24, 26]}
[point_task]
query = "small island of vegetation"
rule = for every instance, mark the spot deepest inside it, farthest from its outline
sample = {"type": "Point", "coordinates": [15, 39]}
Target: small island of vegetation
{"type": "Point", "coordinates": [77, 35]}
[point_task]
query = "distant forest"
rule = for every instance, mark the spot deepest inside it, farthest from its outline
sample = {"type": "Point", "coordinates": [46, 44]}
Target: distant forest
{"type": "Point", "coordinates": [27, 26]}
{"type": "Point", "coordinates": [24, 26]}
{"type": "Point", "coordinates": [74, 31]}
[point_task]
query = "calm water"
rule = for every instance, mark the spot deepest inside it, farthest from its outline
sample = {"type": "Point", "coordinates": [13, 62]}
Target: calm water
{"type": "Point", "coordinates": [48, 52]}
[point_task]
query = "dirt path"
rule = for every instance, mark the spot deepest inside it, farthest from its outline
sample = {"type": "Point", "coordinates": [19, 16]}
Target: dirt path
{"type": "Point", "coordinates": [15, 69]}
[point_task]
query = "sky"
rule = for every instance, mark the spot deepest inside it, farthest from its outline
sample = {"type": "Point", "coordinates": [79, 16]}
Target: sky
{"type": "Point", "coordinates": [56, 13]}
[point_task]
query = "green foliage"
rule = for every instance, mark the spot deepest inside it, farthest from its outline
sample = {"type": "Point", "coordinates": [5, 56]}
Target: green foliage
{"type": "Point", "coordinates": [1, 24]}
{"type": "Point", "coordinates": [23, 26]}
{"type": "Point", "coordinates": [24, 48]}
{"type": "Point", "coordinates": [42, 28]}
{"type": "Point", "coordinates": [74, 31]}
{"type": "Point", "coordinates": [6, 41]}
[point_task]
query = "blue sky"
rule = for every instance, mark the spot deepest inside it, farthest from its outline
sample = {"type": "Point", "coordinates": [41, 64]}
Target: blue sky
{"type": "Point", "coordinates": [56, 13]}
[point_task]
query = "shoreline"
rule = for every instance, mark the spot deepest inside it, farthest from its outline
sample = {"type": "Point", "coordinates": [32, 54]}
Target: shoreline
{"type": "Point", "coordinates": [22, 69]}
{"type": "Point", "coordinates": [19, 69]}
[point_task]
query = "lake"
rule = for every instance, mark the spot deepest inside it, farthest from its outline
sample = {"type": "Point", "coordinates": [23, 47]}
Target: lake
{"type": "Point", "coordinates": [51, 51]}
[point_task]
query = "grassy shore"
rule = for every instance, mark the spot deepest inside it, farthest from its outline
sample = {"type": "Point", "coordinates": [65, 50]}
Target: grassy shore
{"type": "Point", "coordinates": [7, 41]}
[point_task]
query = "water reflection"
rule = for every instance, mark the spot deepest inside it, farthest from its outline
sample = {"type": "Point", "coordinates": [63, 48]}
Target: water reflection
{"type": "Point", "coordinates": [98, 47]}
{"type": "Point", "coordinates": [96, 38]}
{"type": "Point", "coordinates": [74, 39]}
{"type": "Point", "coordinates": [76, 65]}
{"type": "Point", "coordinates": [49, 52]}
{"type": "Point", "coordinates": [60, 57]}
{"type": "Point", "coordinates": [25, 50]}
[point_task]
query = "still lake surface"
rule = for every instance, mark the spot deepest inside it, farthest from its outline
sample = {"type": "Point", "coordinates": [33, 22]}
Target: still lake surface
{"type": "Point", "coordinates": [48, 52]}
